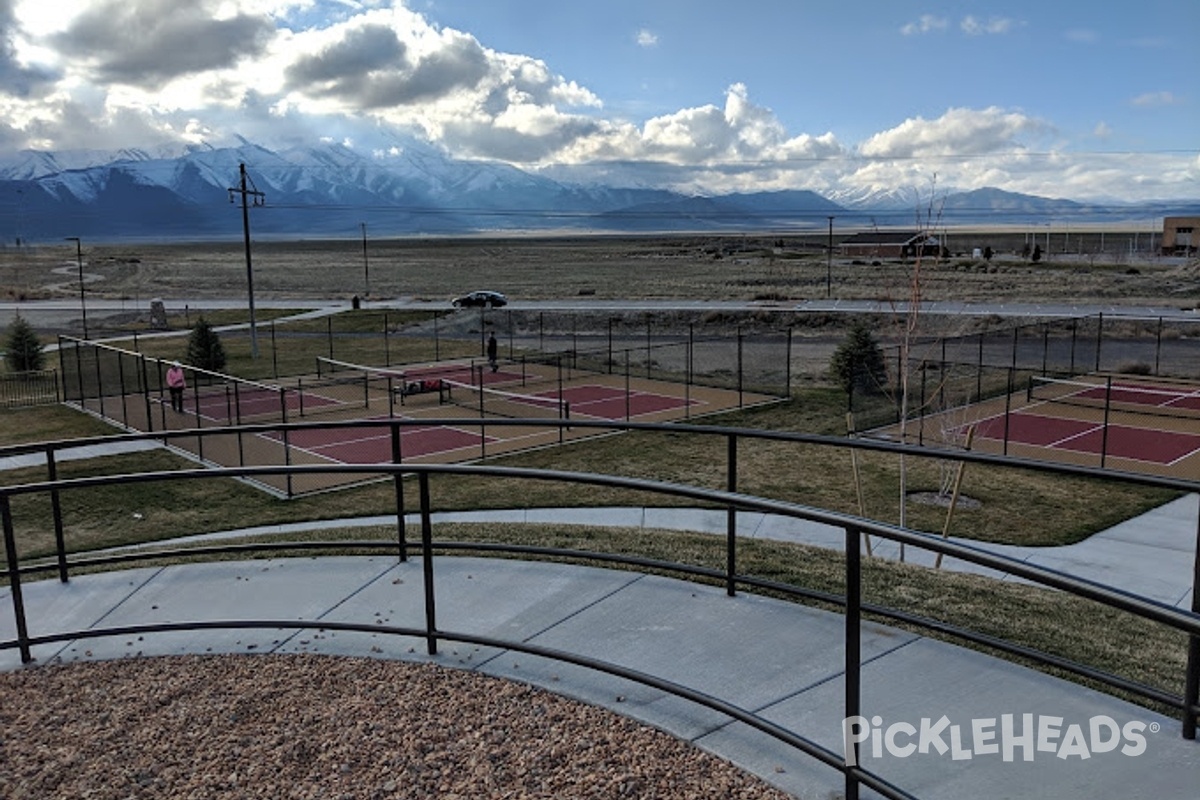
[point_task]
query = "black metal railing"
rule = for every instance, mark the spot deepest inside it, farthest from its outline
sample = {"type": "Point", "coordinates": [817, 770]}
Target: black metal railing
{"type": "Point", "coordinates": [23, 389]}
{"type": "Point", "coordinates": [1187, 704]}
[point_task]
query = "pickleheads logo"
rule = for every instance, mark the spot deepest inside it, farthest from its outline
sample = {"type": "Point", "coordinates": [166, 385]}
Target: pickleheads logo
{"type": "Point", "coordinates": [1010, 737]}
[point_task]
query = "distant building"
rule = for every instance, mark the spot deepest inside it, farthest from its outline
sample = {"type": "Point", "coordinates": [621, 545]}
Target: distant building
{"type": "Point", "coordinates": [891, 244]}
{"type": "Point", "coordinates": [1181, 236]}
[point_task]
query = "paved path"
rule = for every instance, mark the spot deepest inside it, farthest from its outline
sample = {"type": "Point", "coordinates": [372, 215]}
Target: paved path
{"type": "Point", "coordinates": [776, 659]}
{"type": "Point", "coordinates": [1150, 555]}
{"type": "Point", "coordinates": [779, 660]}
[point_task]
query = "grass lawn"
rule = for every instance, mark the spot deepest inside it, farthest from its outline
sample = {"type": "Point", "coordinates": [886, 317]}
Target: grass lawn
{"type": "Point", "coordinates": [1015, 506]}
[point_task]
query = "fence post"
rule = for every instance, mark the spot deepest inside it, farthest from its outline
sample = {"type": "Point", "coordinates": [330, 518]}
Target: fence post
{"type": "Point", "coordinates": [398, 483]}
{"type": "Point", "coordinates": [1158, 345]}
{"type": "Point", "coordinates": [1045, 346]}
{"type": "Point", "coordinates": [609, 360]}
{"type": "Point", "coordinates": [60, 542]}
{"type": "Point", "coordinates": [287, 445]}
{"type": "Point", "coordinates": [62, 369]}
{"type": "Point", "coordinates": [853, 636]}
{"type": "Point", "coordinates": [649, 350]}
{"type": "Point", "coordinates": [427, 566]}
{"type": "Point", "coordinates": [146, 394]}
{"type": "Point", "coordinates": [14, 579]}
{"type": "Point", "coordinates": [124, 389]}
{"type": "Point", "coordinates": [79, 375]}
{"type": "Point", "coordinates": [691, 353]}
{"type": "Point", "coordinates": [1191, 690]}
{"type": "Point", "coordinates": [387, 351]}
{"type": "Point", "coordinates": [162, 407]}
{"type": "Point", "coordinates": [99, 382]}
{"type": "Point", "coordinates": [1008, 407]}
{"type": "Point", "coordinates": [739, 366]}
{"type": "Point", "coordinates": [1074, 337]}
{"type": "Point", "coordinates": [731, 470]}
{"type": "Point", "coordinates": [1104, 432]}
{"type": "Point", "coordinates": [199, 420]}
{"type": "Point", "coordinates": [787, 369]}
{"type": "Point", "coordinates": [1099, 337]}
{"type": "Point", "coordinates": [627, 391]}
{"type": "Point", "coordinates": [921, 419]}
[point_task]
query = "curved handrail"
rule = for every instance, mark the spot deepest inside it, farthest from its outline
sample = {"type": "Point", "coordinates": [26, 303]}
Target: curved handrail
{"type": "Point", "coordinates": [854, 528]}
{"type": "Point", "coordinates": [1116, 598]}
{"type": "Point", "coordinates": [843, 442]}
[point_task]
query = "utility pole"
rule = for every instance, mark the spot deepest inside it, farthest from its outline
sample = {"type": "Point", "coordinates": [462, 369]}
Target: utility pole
{"type": "Point", "coordinates": [79, 262]}
{"type": "Point", "coordinates": [829, 263]}
{"type": "Point", "coordinates": [250, 194]}
{"type": "Point", "coordinates": [366, 268]}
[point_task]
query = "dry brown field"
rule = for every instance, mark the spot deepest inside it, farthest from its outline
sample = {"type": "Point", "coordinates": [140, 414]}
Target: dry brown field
{"type": "Point", "coordinates": [1085, 269]}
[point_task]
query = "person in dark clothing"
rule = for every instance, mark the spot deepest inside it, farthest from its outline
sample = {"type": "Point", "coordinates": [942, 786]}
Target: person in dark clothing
{"type": "Point", "coordinates": [492, 349]}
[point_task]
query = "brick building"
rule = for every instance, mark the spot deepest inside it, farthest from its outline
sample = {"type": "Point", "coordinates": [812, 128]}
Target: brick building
{"type": "Point", "coordinates": [1181, 236]}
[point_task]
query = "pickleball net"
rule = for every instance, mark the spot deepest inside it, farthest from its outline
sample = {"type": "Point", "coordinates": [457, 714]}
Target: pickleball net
{"type": "Point", "coordinates": [385, 384]}
{"type": "Point", "coordinates": [490, 402]}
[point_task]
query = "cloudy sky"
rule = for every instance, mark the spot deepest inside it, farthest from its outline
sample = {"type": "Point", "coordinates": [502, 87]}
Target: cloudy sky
{"type": "Point", "coordinates": [1088, 101]}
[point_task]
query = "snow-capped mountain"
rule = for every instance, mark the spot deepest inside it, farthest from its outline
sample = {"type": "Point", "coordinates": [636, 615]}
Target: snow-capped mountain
{"type": "Point", "coordinates": [329, 190]}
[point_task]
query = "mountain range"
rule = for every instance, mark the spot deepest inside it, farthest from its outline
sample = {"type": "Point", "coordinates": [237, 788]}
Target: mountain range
{"type": "Point", "coordinates": [330, 191]}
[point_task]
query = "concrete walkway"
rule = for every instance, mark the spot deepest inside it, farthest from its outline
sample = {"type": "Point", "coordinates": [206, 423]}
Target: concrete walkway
{"type": "Point", "coordinates": [1150, 555]}
{"type": "Point", "coordinates": [779, 660]}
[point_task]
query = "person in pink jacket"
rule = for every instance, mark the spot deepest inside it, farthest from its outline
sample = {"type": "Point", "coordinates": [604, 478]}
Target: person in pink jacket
{"type": "Point", "coordinates": [176, 383]}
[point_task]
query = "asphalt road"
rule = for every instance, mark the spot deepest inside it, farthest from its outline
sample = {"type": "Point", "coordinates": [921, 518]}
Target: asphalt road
{"type": "Point", "coordinates": [62, 312]}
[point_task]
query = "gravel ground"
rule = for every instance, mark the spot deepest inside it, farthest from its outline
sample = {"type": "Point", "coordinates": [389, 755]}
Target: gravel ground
{"type": "Point", "coordinates": [306, 726]}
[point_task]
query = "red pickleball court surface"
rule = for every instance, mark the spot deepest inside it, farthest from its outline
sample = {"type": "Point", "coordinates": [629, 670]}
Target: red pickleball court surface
{"type": "Point", "coordinates": [1123, 441]}
{"type": "Point", "coordinates": [607, 402]}
{"type": "Point", "coordinates": [370, 445]}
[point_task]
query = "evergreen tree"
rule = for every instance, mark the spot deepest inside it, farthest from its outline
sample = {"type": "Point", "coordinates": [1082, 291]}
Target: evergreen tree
{"type": "Point", "coordinates": [204, 349]}
{"type": "Point", "coordinates": [858, 361]}
{"type": "Point", "coordinates": [22, 347]}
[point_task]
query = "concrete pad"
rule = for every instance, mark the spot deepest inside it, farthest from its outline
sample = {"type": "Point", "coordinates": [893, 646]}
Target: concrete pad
{"type": "Point", "coordinates": [604, 517]}
{"type": "Point", "coordinates": [515, 515]}
{"type": "Point", "coordinates": [750, 650]}
{"type": "Point", "coordinates": [798, 531]}
{"type": "Point", "coordinates": [53, 607]}
{"type": "Point", "coordinates": [1186, 600]}
{"type": "Point", "coordinates": [1148, 571]}
{"type": "Point", "coordinates": [929, 679]}
{"type": "Point", "coordinates": [496, 598]}
{"type": "Point", "coordinates": [1171, 526]}
{"type": "Point", "coordinates": [703, 520]}
{"type": "Point", "coordinates": [300, 589]}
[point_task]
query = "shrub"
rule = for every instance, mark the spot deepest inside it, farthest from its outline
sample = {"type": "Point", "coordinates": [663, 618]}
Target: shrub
{"type": "Point", "coordinates": [204, 349]}
{"type": "Point", "coordinates": [22, 347]}
{"type": "Point", "coordinates": [1135, 368]}
{"type": "Point", "coordinates": [858, 361]}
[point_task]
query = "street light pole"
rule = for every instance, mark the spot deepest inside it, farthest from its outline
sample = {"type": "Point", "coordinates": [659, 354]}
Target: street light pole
{"type": "Point", "coordinates": [829, 262]}
{"type": "Point", "coordinates": [366, 267]}
{"type": "Point", "coordinates": [79, 262]}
